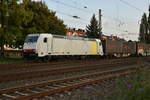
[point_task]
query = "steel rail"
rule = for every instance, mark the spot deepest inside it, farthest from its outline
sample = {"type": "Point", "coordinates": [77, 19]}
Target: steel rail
{"type": "Point", "coordinates": [33, 65]}
{"type": "Point", "coordinates": [68, 87]}
{"type": "Point", "coordinates": [35, 74]}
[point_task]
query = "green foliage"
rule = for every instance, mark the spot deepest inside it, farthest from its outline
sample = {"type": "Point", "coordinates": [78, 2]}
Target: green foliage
{"type": "Point", "coordinates": [93, 29]}
{"type": "Point", "coordinates": [144, 31]}
{"type": "Point", "coordinates": [136, 87]}
{"type": "Point", "coordinates": [44, 20]}
{"type": "Point", "coordinates": [26, 18]}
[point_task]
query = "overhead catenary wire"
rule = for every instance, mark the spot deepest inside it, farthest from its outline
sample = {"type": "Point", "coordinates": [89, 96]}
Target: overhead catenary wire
{"type": "Point", "coordinates": [83, 6]}
{"type": "Point", "coordinates": [131, 5]}
{"type": "Point", "coordinates": [125, 31]}
{"type": "Point", "coordinates": [120, 23]}
{"type": "Point", "coordinates": [71, 6]}
{"type": "Point", "coordinates": [85, 10]}
{"type": "Point", "coordinates": [72, 16]}
{"type": "Point", "coordinates": [78, 20]}
{"type": "Point", "coordinates": [77, 17]}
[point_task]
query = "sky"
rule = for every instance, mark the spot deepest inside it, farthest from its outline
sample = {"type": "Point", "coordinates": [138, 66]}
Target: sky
{"type": "Point", "coordinates": [119, 17]}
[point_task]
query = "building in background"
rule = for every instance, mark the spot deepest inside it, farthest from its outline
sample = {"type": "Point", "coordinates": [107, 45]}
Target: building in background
{"type": "Point", "coordinates": [114, 38]}
{"type": "Point", "coordinates": [82, 33]}
{"type": "Point", "coordinates": [75, 32]}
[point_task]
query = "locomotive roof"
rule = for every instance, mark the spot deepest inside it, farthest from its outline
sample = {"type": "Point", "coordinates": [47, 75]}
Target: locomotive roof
{"type": "Point", "coordinates": [65, 37]}
{"type": "Point", "coordinates": [74, 38]}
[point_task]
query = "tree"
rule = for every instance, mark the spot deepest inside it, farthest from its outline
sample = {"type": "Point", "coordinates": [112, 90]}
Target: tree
{"type": "Point", "coordinates": [143, 29]}
{"type": "Point", "coordinates": [14, 15]}
{"type": "Point", "coordinates": [2, 18]}
{"type": "Point", "coordinates": [149, 20]}
{"type": "Point", "coordinates": [144, 32]}
{"type": "Point", "coordinates": [92, 30]}
{"type": "Point", "coordinates": [43, 20]}
{"type": "Point", "coordinates": [18, 16]}
{"type": "Point", "coordinates": [148, 38]}
{"type": "Point", "coordinates": [26, 18]}
{"type": "Point", "coordinates": [4, 14]}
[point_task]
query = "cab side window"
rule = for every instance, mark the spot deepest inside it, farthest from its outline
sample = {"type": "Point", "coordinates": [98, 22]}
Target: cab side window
{"type": "Point", "coordinates": [45, 40]}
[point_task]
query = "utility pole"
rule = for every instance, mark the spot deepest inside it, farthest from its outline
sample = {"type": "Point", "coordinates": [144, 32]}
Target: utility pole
{"type": "Point", "coordinates": [100, 23]}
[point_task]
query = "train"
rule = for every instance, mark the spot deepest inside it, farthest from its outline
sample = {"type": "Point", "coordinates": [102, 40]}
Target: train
{"type": "Point", "coordinates": [47, 45]}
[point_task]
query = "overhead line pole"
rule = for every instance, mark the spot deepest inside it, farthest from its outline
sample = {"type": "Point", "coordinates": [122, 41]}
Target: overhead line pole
{"type": "Point", "coordinates": [100, 23]}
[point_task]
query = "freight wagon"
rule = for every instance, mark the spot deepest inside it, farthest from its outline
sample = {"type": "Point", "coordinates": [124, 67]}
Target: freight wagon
{"type": "Point", "coordinates": [143, 49]}
{"type": "Point", "coordinates": [129, 48]}
{"type": "Point", "coordinates": [48, 45]}
{"type": "Point", "coordinates": [119, 48]}
{"type": "Point", "coordinates": [112, 48]}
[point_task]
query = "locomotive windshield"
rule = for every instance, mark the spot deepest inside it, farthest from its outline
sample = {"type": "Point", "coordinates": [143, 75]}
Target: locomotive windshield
{"type": "Point", "coordinates": [31, 38]}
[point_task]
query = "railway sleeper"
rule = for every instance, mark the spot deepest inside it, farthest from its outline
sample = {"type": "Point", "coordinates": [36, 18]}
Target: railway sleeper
{"type": "Point", "coordinates": [9, 96]}
{"type": "Point", "coordinates": [64, 84]}
{"type": "Point", "coordinates": [51, 87]}
{"type": "Point", "coordinates": [33, 91]}
{"type": "Point", "coordinates": [58, 85]}
{"type": "Point", "coordinates": [70, 82]}
{"type": "Point", "coordinates": [20, 93]}
{"type": "Point", "coordinates": [41, 89]}
{"type": "Point", "coordinates": [49, 97]}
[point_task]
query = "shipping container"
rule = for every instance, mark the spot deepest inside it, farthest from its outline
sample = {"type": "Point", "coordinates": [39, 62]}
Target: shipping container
{"type": "Point", "coordinates": [129, 48]}
{"type": "Point", "coordinates": [112, 47]}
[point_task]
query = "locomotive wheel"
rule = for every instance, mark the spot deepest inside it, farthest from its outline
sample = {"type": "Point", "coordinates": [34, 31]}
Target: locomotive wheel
{"type": "Point", "coordinates": [47, 58]}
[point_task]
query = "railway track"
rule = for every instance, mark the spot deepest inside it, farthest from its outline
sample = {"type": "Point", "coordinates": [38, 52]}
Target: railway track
{"type": "Point", "coordinates": [47, 66]}
{"type": "Point", "coordinates": [42, 90]}
{"type": "Point", "coordinates": [5, 67]}
{"type": "Point", "coordinates": [58, 71]}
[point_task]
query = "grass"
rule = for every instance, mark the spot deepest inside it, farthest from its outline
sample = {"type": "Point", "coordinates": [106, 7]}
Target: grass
{"type": "Point", "coordinates": [5, 60]}
{"type": "Point", "coordinates": [136, 87]}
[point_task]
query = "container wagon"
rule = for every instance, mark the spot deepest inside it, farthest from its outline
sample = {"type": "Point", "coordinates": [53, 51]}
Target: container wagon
{"type": "Point", "coordinates": [129, 48]}
{"type": "Point", "coordinates": [112, 47]}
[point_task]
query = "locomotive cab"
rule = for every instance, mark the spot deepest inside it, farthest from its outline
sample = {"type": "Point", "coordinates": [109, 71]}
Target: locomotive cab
{"type": "Point", "coordinates": [29, 47]}
{"type": "Point", "coordinates": [37, 45]}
